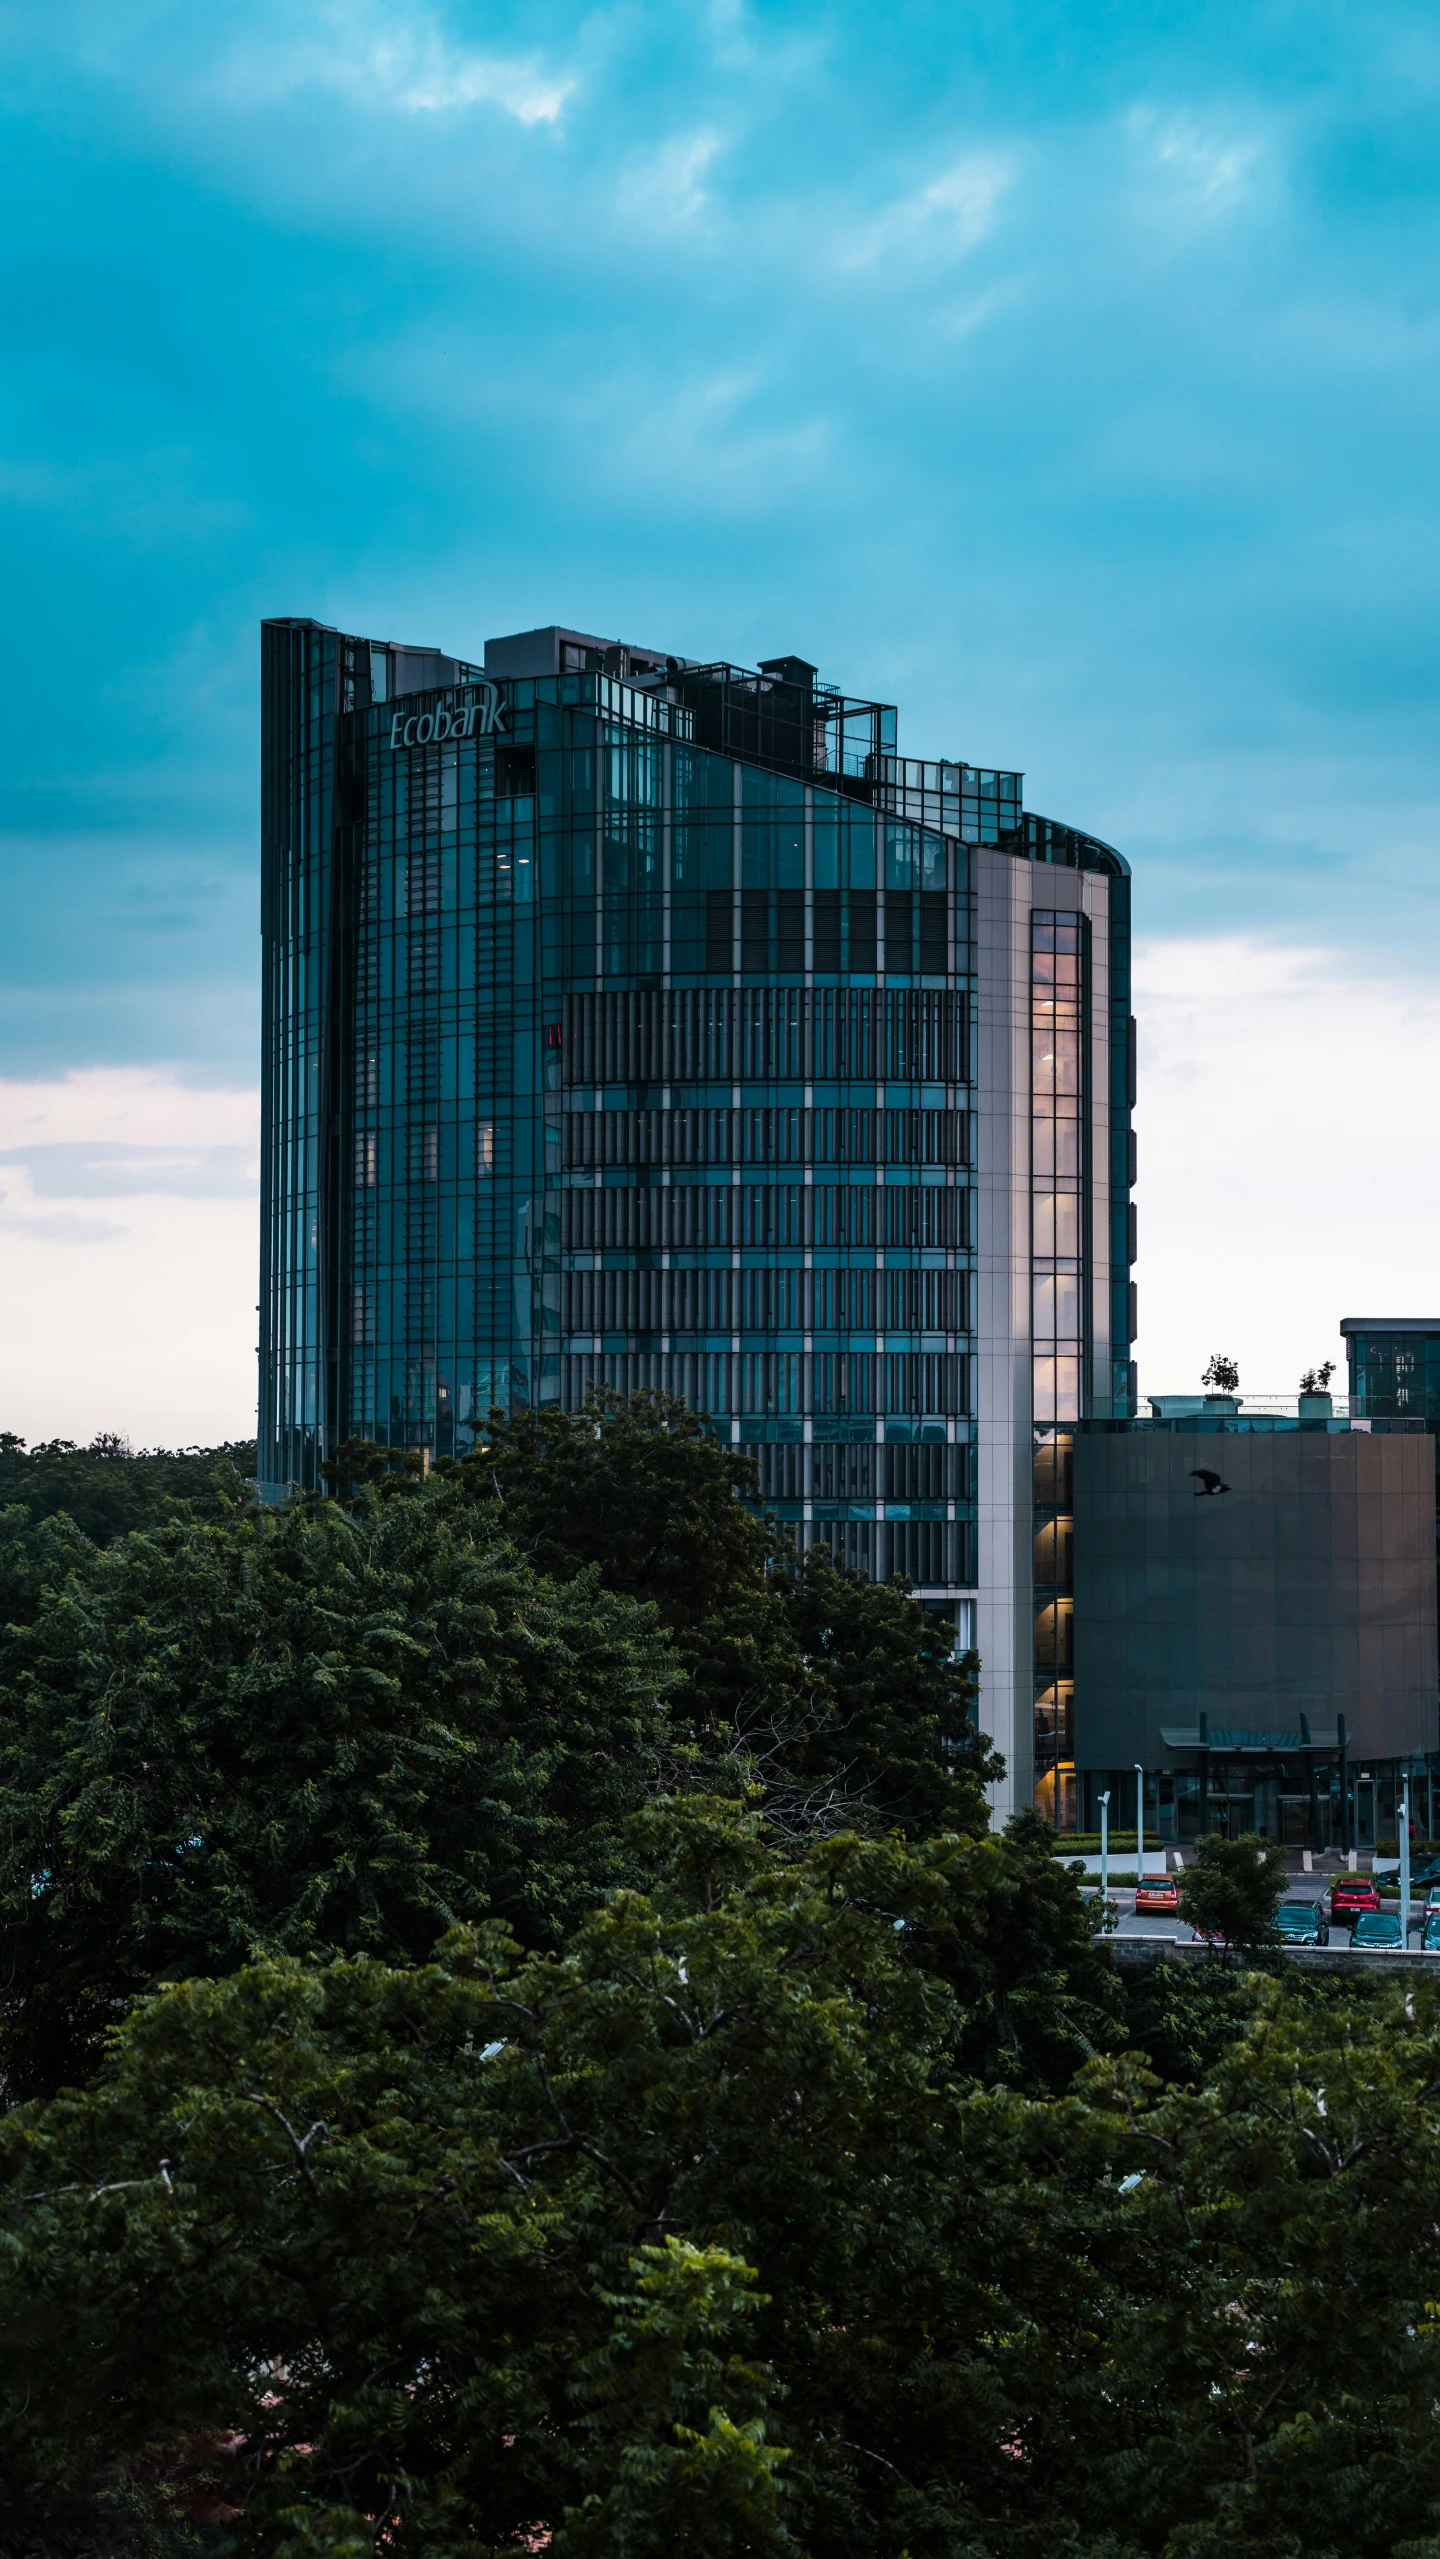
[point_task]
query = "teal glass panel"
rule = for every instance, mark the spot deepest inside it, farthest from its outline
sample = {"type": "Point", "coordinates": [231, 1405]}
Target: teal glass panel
{"type": "Point", "coordinates": [860, 849]}
{"type": "Point", "coordinates": [826, 834]}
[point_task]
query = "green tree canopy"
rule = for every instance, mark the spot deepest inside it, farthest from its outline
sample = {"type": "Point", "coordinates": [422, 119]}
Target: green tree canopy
{"type": "Point", "coordinates": [298, 1730]}
{"type": "Point", "coordinates": [108, 1487]}
{"type": "Point", "coordinates": [850, 1700]}
{"type": "Point", "coordinates": [1231, 1890]}
{"type": "Point", "coordinates": [697, 2235]}
{"type": "Point", "coordinates": [350, 1724]}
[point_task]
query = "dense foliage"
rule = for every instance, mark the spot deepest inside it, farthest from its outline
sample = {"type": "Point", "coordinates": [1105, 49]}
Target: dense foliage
{"type": "Point", "coordinates": [295, 1731]}
{"type": "Point", "coordinates": [699, 2236]}
{"type": "Point", "coordinates": [557, 2060]}
{"type": "Point", "coordinates": [109, 1487]}
{"type": "Point", "coordinates": [353, 1723]}
{"type": "Point", "coordinates": [847, 1694]}
{"type": "Point", "coordinates": [1231, 1890]}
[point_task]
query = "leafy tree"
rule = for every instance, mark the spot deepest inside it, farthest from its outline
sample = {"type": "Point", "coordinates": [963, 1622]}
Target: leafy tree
{"type": "Point", "coordinates": [35, 1556]}
{"type": "Point", "coordinates": [695, 2236]}
{"type": "Point", "coordinates": [298, 1730]}
{"type": "Point", "coordinates": [847, 1699]}
{"type": "Point", "coordinates": [1231, 1890]}
{"type": "Point", "coordinates": [672, 2242]}
{"type": "Point", "coordinates": [899, 1736]}
{"type": "Point", "coordinates": [427, 2239]}
{"type": "Point", "coordinates": [1271, 2374]}
{"type": "Point", "coordinates": [640, 1487]}
{"type": "Point", "coordinates": [110, 1488]}
{"type": "Point", "coordinates": [349, 1726]}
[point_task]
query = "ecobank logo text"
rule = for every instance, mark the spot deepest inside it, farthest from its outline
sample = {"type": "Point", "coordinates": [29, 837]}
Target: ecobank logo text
{"type": "Point", "coordinates": [480, 718]}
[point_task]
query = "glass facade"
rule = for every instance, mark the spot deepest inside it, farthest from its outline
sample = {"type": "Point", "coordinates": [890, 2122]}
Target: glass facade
{"type": "Point", "coordinates": [1394, 1369]}
{"type": "Point", "coordinates": [1058, 1262]}
{"type": "Point", "coordinates": [620, 1029]}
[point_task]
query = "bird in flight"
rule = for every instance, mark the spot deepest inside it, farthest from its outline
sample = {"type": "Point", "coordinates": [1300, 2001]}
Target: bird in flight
{"type": "Point", "coordinates": [1207, 1481]}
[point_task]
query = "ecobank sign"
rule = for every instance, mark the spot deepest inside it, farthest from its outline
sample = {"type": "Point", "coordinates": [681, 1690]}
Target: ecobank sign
{"type": "Point", "coordinates": [478, 718]}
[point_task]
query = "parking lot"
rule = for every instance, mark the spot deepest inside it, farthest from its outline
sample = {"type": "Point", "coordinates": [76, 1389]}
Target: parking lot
{"type": "Point", "coordinates": [1168, 1924]}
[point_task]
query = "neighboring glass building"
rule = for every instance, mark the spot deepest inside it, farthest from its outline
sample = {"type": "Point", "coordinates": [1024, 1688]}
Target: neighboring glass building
{"type": "Point", "coordinates": [1394, 1363]}
{"type": "Point", "coordinates": [641, 1022]}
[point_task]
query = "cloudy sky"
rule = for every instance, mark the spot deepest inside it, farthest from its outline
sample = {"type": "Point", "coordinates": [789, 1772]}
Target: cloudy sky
{"type": "Point", "coordinates": [1066, 374]}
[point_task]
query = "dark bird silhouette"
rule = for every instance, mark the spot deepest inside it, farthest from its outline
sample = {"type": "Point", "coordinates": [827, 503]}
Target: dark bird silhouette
{"type": "Point", "coordinates": [1208, 1482]}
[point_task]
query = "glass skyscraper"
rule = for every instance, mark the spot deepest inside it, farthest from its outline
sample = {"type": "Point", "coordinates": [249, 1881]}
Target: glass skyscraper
{"type": "Point", "coordinates": [634, 1021]}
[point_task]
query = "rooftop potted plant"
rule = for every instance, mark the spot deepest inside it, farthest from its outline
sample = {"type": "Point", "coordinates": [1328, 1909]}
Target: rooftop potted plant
{"type": "Point", "coordinates": [1317, 1404]}
{"type": "Point", "coordinates": [1221, 1382]}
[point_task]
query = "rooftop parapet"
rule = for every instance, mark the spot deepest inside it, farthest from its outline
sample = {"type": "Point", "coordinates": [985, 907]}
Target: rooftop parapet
{"type": "Point", "coordinates": [781, 715]}
{"type": "Point", "coordinates": [966, 800]}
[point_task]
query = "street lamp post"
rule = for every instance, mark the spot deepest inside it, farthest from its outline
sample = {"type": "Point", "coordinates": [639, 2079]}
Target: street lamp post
{"type": "Point", "coordinates": [1104, 1852]}
{"type": "Point", "coordinates": [1405, 1864]}
{"type": "Point", "coordinates": [1139, 1823]}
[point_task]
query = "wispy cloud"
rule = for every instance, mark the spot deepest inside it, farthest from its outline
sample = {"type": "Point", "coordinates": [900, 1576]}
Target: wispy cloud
{"type": "Point", "coordinates": [50, 1226]}
{"type": "Point", "coordinates": [1199, 170]}
{"type": "Point", "coordinates": [383, 59]}
{"type": "Point", "coordinates": [76, 1170]}
{"type": "Point", "coordinates": [668, 185]}
{"type": "Point", "coordinates": [939, 221]}
{"type": "Point", "coordinates": [124, 1111]}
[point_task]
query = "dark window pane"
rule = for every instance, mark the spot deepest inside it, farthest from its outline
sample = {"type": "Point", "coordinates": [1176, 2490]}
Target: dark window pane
{"type": "Point", "coordinates": [791, 944]}
{"type": "Point", "coordinates": [719, 929]}
{"type": "Point", "coordinates": [862, 931]}
{"type": "Point", "coordinates": [827, 929]}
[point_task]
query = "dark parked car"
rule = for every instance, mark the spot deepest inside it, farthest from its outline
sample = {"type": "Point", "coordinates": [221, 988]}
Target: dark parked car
{"type": "Point", "coordinates": [1379, 1930]}
{"type": "Point", "coordinates": [1303, 1923]}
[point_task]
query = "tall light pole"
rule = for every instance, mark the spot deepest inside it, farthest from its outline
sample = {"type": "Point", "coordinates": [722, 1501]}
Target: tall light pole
{"type": "Point", "coordinates": [1139, 1823]}
{"type": "Point", "coordinates": [1405, 1863]}
{"type": "Point", "coordinates": [1104, 1854]}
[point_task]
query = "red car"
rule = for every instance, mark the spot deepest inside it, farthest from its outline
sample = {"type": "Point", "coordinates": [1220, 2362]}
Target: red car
{"type": "Point", "coordinates": [1350, 1894]}
{"type": "Point", "coordinates": [1157, 1892]}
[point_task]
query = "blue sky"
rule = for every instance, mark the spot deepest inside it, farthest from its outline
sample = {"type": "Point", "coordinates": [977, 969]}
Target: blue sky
{"type": "Point", "coordinates": [1066, 374]}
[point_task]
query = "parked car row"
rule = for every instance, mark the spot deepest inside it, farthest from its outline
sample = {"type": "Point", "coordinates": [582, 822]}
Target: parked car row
{"type": "Point", "coordinates": [1354, 1903]}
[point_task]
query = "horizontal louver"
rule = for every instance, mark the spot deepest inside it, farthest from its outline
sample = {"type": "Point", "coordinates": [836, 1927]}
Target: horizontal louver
{"type": "Point", "coordinates": [781, 1136]}
{"type": "Point", "coordinates": [735, 1035]}
{"type": "Point", "coordinates": [772, 1216]}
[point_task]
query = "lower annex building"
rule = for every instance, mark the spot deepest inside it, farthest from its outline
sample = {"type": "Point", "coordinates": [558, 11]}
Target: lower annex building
{"type": "Point", "coordinates": [637, 1021]}
{"type": "Point", "coordinates": [1238, 1598]}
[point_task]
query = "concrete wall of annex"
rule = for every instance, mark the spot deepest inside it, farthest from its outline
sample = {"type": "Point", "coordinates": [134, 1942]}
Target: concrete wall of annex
{"type": "Point", "coordinates": [1309, 1585]}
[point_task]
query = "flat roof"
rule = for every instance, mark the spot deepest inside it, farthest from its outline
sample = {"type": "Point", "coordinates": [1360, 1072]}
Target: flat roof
{"type": "Point", "coordinates": [1390, 1323]}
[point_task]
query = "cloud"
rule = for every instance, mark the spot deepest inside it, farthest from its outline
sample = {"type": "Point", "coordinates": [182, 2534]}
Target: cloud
{"type": "Point", "coordinates": [59, 1229]}
{"type": "Point", "coordinates": [388, 61]}
{"type": "Point", "coordinates": [143, 1106]}
{"type": "Point", "coordinates": [98, 1171]}
{"type": "Point", "coordinates": [667, 186]}
{"type": "Point", "coordinates": [1285, 1101]}
{"type": "Point", "coordinates": [944, 219]}
{"type": "Point", "coordinates": [151, 1329]}
{"type": "Point", "coordinates": [1202, 173]}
